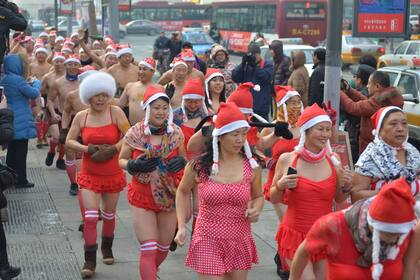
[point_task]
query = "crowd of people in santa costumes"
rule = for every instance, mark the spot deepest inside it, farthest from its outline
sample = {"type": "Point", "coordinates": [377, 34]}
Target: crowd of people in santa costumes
{"type": "Point", "coordinates": [192, 146]}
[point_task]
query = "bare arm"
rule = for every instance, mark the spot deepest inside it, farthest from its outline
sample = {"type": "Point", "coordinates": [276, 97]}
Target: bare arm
{"type": "Point", "coordinates": [300, 260]}
{"type": "Point", "coordinates": [125, 154]}
{"type": "Point", "coordinates": [123, 101]}
{"type": "Point", "coordinates": [344, 183]}
{"type": "Point", "coordinates": [74, 133]}
{"type": "Point", "coordinates": [412, 256]}
{"type": "Point", "coordinates": [197, 143]}
{"type": "Point", "coordinates": [95, 58]}
{"type": "Point", "coordinates": [256, 204]}
{"type": "Point", "coordinates": [166, 78]}
{"type": "Point", "coordinates": [267, 139]}
{"type": "Point", "coordinates": [361, 187]}
{"type": "Point", "coordinates": [281, 181]}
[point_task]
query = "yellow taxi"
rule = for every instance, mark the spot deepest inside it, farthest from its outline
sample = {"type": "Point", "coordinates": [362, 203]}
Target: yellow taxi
{"type": "Point", "coordinates": [404, 54]}
{"type": "Point", "coordinates": [353, 48]}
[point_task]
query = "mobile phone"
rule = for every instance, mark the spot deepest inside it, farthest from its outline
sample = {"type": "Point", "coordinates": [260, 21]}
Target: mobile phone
{"type": "Point", "coordinates": [1, 93]}
{"type": "Point", "coordinates": [291, 171]}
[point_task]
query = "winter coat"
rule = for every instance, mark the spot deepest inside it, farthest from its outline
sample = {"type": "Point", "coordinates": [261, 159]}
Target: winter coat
{"type": "Point", "coordinates": [6, 126]}
{"type": "Point", "coordinates": [262, 76]}
{"type": "Point", "coordinates": [357, 104]}
{"type": "Point", "coordinates": [281, 64]}
{"type": "Point", "coordinates": [299, 80]}
{"type": "Point", "coordinates": [19, 93]}
{"type": "Point", "coordinates": [175, 48]}
{"type": "Point", "coordinates": [316, 85]}
{"type": "Point", "coordinates": [226, 67]}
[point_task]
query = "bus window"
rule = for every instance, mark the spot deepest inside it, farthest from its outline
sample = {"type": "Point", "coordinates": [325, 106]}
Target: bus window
{"type": "Point", "coordinates": [162, 14]}
{"type": "Point", "coordinates": [176, 14]}
{"type": "Point", "coordinates": [305, 10]}
{"type": "Point", "coordinates": [150, 14]}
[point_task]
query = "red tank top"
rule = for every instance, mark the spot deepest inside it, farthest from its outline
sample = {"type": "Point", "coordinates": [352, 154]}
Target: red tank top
{"type": "Point", "coordinates": [188, 133]}
{"type": "Point", "coordinates": [107, 134]}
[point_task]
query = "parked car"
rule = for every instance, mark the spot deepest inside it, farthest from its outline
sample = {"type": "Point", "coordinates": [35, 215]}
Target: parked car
{"type": "Point", "coordinates": [403, 54]}
{"type": "Point", "coordinates": [62, 27]}
{"type": "Point", "coordinates": [287, 49]}
{"type": "Point", "coordinates": [353, 48]}
{"type": "Point", "coordinates": [407, 79]}
{"type": "Point", "coordinates": [36, 25]}
{"type": "Point", "coordinates": [143, 27]}
{"type": "Point", "coordinates": [200, 40]}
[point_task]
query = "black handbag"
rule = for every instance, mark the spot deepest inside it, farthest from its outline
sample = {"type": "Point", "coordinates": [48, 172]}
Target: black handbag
{"type": "Point", "coordinates": [7, 177]}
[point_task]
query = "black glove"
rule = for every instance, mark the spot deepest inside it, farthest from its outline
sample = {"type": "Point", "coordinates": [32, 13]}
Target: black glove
{"type": "Point", "coordinates": [170, 90]}
{"type": "Point", "coordinates": [63, 135]}
{"type": "Point", "coordinates": [282, 130]}
{"type": "Point", "coordinates": [142, 165]}
{"type": "Point", "coordinates": [176, 163]}
{"type": "Point", "coordinates": [207, 130]}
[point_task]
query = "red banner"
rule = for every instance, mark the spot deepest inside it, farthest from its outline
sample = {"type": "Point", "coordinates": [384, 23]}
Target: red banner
{"type": "Point", "coordinates": [378, 23]}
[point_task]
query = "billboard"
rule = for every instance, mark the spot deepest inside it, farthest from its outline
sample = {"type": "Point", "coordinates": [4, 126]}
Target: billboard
{"type": "Point", "coordinates": [381, 18]}
{"type": "Point", "coordinates": [66, 7]}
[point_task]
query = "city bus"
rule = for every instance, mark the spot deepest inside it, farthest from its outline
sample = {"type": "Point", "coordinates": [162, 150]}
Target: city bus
{"type": "Point", "coordinates": [239, 21]}
{"type": "Point", "coordinates": [172, 17]}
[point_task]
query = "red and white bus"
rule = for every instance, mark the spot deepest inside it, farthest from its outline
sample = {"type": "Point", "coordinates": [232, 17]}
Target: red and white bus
{"type": "Point", "coordinates": [172, 17]}
{"type": "Point", "coordinates": [239, 21]}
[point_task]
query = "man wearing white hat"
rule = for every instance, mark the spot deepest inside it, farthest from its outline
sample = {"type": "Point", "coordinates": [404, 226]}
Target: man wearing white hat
{"type": "Point", "coordinates": [134, 92]}
{"type": "Point", "coordinates": [39, 66]}
{"type": "Point", "coordinates": [124, 71]}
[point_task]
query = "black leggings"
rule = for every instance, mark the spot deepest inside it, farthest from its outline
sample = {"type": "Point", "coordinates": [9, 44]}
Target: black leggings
{"type": "Point", "coordinates": [17, 152]}
{"type": "Point", "coordinates": [3, 249]}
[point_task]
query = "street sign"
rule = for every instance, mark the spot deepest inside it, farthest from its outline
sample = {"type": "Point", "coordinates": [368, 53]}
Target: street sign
{"type": "Point", "coordinates": [66, 7]}
{"type": "Point", "coordinates": [381, 18]}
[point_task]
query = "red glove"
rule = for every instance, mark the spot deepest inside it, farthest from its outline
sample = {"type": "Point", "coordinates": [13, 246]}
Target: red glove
{"type": "Point", "coordinates": [331, 112]}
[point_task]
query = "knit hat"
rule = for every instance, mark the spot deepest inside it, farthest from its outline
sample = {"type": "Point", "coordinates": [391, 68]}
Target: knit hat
{"type": "Point", "coordinates": [188, 55]}
{"type": "Point", "coordinates": [59, 39]}
{"type": "Point", "coordinates": [148, 62]}
{"type": "Point", "coordinates": [193, 89]}
{"type": "Point", "coordinates": [95, 84]}
{"type": "Point", "coordinates": [284, 93]}
{"type": "Point", "coordinates": [383, 217]}
{"type": "Point", "coordinates": [58, 55]}
{"type": "Point", "coordinates": [312, 115]}
{"type": "Point", "coordinates": [151, 94]}
{"type": "Point", "coordinates": [215, 49]}
{"type": "Point", "coordinates": [124, 49]}
{"type": "Point", "coordinates": [228, 119]}
{"type": "Point", "coordinates": [73, 58]}
{"type": "Point", "coordinates": [378, 118]}
{"type": "Point", "coordinates": [242, 97]}
{"type": "Point", "coordinates": [178, 61]}
{"type": "Point", "coordinates": [210, 74]}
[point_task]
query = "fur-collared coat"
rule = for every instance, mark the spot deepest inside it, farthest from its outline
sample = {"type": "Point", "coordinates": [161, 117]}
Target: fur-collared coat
{"type": "Point", "coordinates": [357, 104]}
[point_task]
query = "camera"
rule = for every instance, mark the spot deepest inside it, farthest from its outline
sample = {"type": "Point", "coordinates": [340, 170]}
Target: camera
{"type": "Point", "coordinates": [249, 59]}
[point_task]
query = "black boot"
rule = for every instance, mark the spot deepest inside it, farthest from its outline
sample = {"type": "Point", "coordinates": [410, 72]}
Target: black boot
{"type": "Point", "coordinates": [60, 164]}
{"type": "Point", "coordinates": [74, 189]}
{"type": "Point", "coordinates": [88, 269]}
{"type": "Point", "coordinates": [8, 272]}
{"type": "Point", "coordinates": [284, 275]}
{"type": "Point", "coordinates": [50, 159]}
{"type": "Point", "coordinates": [106, 248]}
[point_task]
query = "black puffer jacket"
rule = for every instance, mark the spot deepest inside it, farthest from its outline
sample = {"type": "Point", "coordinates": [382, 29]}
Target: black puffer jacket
{"type": "Point", "coordinates": [6, 126]}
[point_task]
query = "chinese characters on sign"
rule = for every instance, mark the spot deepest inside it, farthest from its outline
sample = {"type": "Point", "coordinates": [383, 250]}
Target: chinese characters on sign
{"type": "Point", "coordinates": [66, 7]}
{"type": "Point", "coordinates": [381, 18]}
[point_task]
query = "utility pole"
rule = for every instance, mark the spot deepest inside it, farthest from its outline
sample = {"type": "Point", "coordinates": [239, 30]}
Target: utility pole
{"type": "Point", "coordinates": [56, 14]}
{"type": "Point", "coordinates": [93, 28]}
{"type": "Point", "coordinates": [114, 20]}
{"type": "Point", "coordinates": [333, 58]}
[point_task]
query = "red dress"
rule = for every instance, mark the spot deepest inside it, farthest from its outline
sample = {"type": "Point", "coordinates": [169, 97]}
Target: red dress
{"type": "Point", "coordinates": [222, 239]}
{"type": "Point", "coordinates": [330, 238]}
{"type": "Point", "coordinates": [306, 203]}
{"type": "Point", "coordinates": [101, 177]}
{"type": "Point", "coordinates": [280, 147]}
{"type": "Point", "coordinates": [188, 133]}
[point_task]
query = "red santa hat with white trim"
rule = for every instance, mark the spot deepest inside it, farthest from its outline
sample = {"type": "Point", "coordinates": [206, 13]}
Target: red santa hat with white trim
{"type": "Point", "coordinates": [178, 61]}
{"type": "Point", "coordinates": [311, 116]}
{"type": "Point", "coordinates": [284, 93]}
{"type": "Point", "coordinates": [378, 118]}
{"type": "Point", "coordinates": [188, 55]}
{"type": "Point", "coordinates": [228, 119]}
{"type": "Point", "coordinates": [58, 55]}
{"type": "Point", "coordinates": [210, 74]}
{"type": "Point", "coordinates": [193, 89]}
{"type": "Point", "coordinates": [41, 49]}
{"type": "Point", "coordinates": [152, 93]}
{"type": "Point", "coordinates": [124, 49]}
{"type": "Point", "coordinates": [97, 83]}
{"type": "Point", "coordinates": [72, 58]}
{"type": "Point", "coordinates": [382, 217]}
{"type": "Point", "coordinates": [243, 98]}
{"type": "Point", "coordinates": [149, 62]}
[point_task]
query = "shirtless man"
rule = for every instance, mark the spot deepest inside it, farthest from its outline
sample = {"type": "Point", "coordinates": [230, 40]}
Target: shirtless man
{"type": "Point", "coordinates": [110, 59]}
{"type": "Point", "coordinates": [134, 92]}
{"type": "Point", "coordinates": [62, 86]}
{"type": "Point", "coordinates": [189, 59]}
{"type": "Point", "coordinates": [175, 88]}
{"type": "Point", "coordinates": [46, 85]}
{"type": "Point", "coordinates": [39, 67]}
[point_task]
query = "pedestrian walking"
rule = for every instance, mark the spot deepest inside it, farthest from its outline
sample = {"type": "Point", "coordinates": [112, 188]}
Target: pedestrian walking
{"type": "Point", "coordinates": [299, 79]}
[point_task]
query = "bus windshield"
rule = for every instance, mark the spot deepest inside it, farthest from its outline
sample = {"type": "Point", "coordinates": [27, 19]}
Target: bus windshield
{"type": "Point", "coordinates": [198, 38]}
{"type": "Point", "coordinates": [305, 10]}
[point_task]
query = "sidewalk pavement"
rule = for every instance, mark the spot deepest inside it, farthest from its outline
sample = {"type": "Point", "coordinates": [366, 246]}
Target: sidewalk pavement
{"type": "Point", "coordinates": [43, 237]}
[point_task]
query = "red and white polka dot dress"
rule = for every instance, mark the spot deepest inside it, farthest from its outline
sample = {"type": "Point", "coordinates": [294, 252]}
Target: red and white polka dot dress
{"type": "Point", "coordinates": [222, 240]}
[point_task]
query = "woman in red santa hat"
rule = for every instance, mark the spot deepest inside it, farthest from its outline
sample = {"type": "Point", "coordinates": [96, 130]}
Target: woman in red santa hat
{"type": "Point", "coordinates": [366, 241]}
{"type": "Point", "coordinates": [389, 156]}
{"type": "Point", "coordinates": [101, 128]}
{"type": "Point", "coordinates": [308, 180]}
{"type": "Point", "coordinates": [153, 153]}
{"type": "Point", "coordinates": [228, 181]}
{"type": "Point", "coordinates": [215, 89]}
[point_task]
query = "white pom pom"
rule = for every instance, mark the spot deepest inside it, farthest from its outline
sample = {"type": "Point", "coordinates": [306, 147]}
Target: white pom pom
{"type": "Point", "coordinates": [257, 88]}
{"type": "Point", "coordinates": [214, 169]}
{"type": "Point", "coordinates": [377, 270]}
{"type": "Point", "coordinates": [373, 132]}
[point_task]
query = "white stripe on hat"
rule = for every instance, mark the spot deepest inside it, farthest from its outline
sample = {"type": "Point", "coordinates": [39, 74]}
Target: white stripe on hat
{"type": "Point", "coordinates": [391, 227]}
{"type": "Point", "coordinates": [206, 84]}
{"type": "Point", "coordinates": [192, 96]}
{"type": "Point", "coordinates": [72, 59]}
{"type": "Point", "coordinates": [153, 98]}
{"type": "Point", "coordinates": [124, 51]}
{"type": "Point", "coordinates": [146, 64]}
{"type": "Point", "coordinates": [377, 129]}
{"type": "Point", "coordinates": [56, 57]}
{"type": "Point", "coordinates": [230, 127]}
{"type": "Point", "coordinates": [44, 50]}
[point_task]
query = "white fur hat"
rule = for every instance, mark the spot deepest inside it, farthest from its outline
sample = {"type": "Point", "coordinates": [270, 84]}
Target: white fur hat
{"type": "Point", "coordinates": [95, 84]}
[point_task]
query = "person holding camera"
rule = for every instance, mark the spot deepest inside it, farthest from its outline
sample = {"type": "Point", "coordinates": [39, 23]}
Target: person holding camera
{"type": "Point", "coordinates": [10, 18]}
{"type": "Point", "coordinates": [254, 69]}
{"type": "Point", "coordinates": [6, 177]}
{"type": "Point", "coordinates": [219, 58]}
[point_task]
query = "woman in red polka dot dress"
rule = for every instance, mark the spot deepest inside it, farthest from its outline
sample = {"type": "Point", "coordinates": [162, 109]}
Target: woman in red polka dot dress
{"type": "Point", "coordinates": [222, 244]}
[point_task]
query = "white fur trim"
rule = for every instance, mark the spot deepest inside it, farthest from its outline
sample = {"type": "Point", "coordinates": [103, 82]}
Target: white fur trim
{"type": "Point", "coordinates": [288, 95]}
{"type": "Point", "coordinates": [74, 34]}
{"type": "Point", "coordinates": [146, 121]}
{"type": "Point", "coordinates": [377, 267]}
{"type": "Point", "coordinates": [230, 127]}
{"type": "Point", "coordinates": [124, 51]}
{"type": "Point", "coordinates": [56, 57]}
{"type": "Point", "coordinates": [67, 50]}
{"type": "Point", "coordinates": [206, 84]}
{"type": "Point", "coordinates": [246, 110]}
{"type": "Point", "coordinates": [57, 39]}
{"type": "Point", "coordinates": [85, 74]}
{"type": "Point", "coordinates": [173, 65]}
{"type": "Point", "coordinates": [72, 59]}
{"type": "Point", "coordinates": [393, 252]}
{"type": "Point", "coordinates": [215, 166]}
{"type": "Point", "coordinates": [258, 117]}
{"type": "Point", "coordinates": [43, 34]}
{"type": "Point", "coordinates": [377, 129]}
{"type": "Point", "coordinates": [110, 53]}
{"type": "Point", "coordinates": [248, 154]}
{"type": "Point", "coordinates": [144, 63]}
{"type": "Point", "coordinates": [256, 88]}
{"type": "Point", "coordinates": [318, 119]}
{"type": "Point", "coordinates": [95, 84]}
{"type": "Point", "coordinates": [44, 50]}
{"type": "Point", "coordinates": [192, 96]}
{"type": "Point", "coordinates": [389, 227]}
{"type": "Point", "coordinates": [153, 98]}
{"type": "Point", "coordinates": [189, 58]}
{"type": "Point", "coordinates": [170, 128]}
{"type": "Point", "coordinates": [302, 140]}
